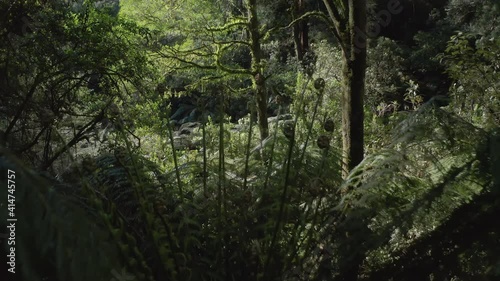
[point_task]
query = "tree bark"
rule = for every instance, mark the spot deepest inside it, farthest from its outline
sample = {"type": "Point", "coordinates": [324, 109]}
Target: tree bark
{"type": "Point", "coordinates": [259, 82]}
{"type": "Point", "coordinates": [300, 30]}
{"type": "Point", "coordinates": [349, 26]}
{"type": "Point", "coordinates": [354, 87]}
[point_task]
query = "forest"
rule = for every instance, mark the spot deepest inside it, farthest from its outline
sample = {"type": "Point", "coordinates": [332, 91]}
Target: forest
{"type": "Point", "coordinates": [250, 140]}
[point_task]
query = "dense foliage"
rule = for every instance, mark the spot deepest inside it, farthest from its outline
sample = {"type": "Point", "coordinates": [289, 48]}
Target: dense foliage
{"type": "Point", "coordinates": [203, 140]}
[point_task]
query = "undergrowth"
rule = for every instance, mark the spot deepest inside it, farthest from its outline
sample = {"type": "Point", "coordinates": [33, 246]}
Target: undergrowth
{"type": "Point", "coordinates": [277, 211]}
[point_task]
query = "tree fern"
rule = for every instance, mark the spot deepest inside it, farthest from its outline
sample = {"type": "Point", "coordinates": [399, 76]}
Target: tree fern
{"type": "Point", "coordinates": [402, 199]}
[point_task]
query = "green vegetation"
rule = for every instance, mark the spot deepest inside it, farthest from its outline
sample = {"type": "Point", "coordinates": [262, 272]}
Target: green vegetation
{"type": "Point", "coordinates": [250, 140]}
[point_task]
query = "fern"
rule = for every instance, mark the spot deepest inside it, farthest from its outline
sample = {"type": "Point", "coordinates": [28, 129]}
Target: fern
{"type": "Point", "coordinates": [56, 238]}
{"type": "Point", "coordinates": [399, 200]}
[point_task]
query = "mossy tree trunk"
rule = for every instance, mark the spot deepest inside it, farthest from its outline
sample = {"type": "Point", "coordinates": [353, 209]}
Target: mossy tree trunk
{"type": "Point", "coordinates": [259, 81]}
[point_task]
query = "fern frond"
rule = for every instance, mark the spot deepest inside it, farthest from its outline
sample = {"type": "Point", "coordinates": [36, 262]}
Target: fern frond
{"type": "Point", "coordinates": [434, 167]}
{"type": "Point", "coordinates": [55, 238]}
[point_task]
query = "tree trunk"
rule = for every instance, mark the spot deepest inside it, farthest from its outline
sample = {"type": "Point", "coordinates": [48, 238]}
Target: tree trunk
{"type": "Point", "coordinates": [354, 87]}
{"type": "Point", "coordinates": [300, 30]}
{"type": "Point", "coordinates": [348, 22]}
{"type": "Point", "coordinates": [354, 67]}
{"type": "Point", "coordinates": [259, 82]}
{"type": "Point", "coordinates": [349, 26]}
{"type": "Point", "coordinates": [352, 112]}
